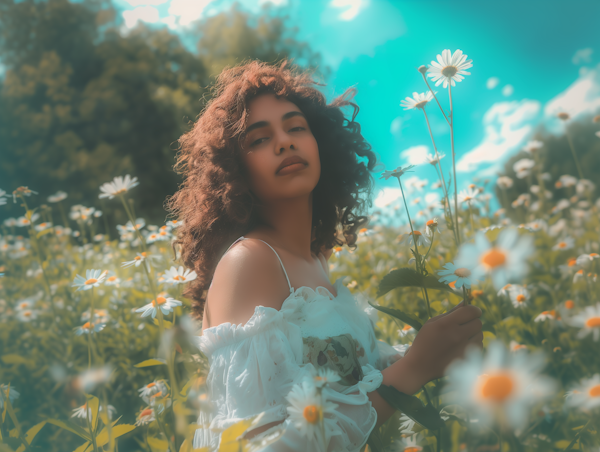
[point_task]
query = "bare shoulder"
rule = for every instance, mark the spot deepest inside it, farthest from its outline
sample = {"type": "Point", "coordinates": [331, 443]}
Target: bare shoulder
{"type": "Point", "coordinates": [248, 275]}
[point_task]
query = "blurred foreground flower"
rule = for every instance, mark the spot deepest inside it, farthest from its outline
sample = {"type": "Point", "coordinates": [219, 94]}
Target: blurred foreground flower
{"type": "Point", "coordinates": [118, 186]}
{"type": "Point", "coordinates": [504, 261]}
{"type": "Point", "coordinates": [500, 387]}
{"type": "Point", "coordinates": [588, 321]}
{"type": "Point", "coordinates": [457, 275]}
{"type": "Point", "coordinates": [12, 395]}
{"type": "Point", "coordinates": [417, 101]}
{"type": "Point", "coordinates": [179, 275]}
{"type": "Point", "coordinates": [307, 410]}
{"type": "Point", "coordinates": [586, 395]}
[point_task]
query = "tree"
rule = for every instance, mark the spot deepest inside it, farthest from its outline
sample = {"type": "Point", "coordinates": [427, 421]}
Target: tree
{"type": "Point", "coordinates": [80, 103]}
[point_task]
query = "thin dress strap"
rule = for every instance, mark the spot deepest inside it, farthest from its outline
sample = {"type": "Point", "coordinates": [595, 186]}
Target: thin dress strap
{"type": "Point", "coordinates": [282, 266]}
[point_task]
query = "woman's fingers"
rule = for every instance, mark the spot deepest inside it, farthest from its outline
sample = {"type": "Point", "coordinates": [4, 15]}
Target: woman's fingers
{"type": "Point", "coordinates": [464, 314]}
{"type": "Point", "coordinates": [471, 328]}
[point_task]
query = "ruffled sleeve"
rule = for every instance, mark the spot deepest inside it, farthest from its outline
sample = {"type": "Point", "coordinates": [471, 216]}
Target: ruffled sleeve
{"type": "Point", "coordinates": [253, 367]}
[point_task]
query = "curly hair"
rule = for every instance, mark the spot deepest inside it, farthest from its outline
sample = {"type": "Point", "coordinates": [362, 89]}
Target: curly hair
{"type": "Point", "coordinates": [215, 203]}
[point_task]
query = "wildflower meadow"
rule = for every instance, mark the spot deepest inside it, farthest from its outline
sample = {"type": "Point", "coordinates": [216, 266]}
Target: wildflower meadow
{"type": "Point", "coordinates": [98, 352]}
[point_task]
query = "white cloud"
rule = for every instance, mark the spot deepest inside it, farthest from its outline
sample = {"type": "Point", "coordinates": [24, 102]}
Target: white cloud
{"type": "Point", "coordinates": [507, 90]}
{"type": "Point", "coordinates": [432, 197]}
{"type": "Point", "coordinates": [352, 8]}
{"type": "Point", "coordinates": [188, 10]}
{"type": "Point", "coordinates": [415, 154]}
{"type": "Point", "coordinates": [508, 125]}
{"type": "Point", "coordinates": [492, 82]}
{"type": "Point", "coordinates": [387, 196]}
{"type": "Point", "coordinates": [580, 98]}
{"type": "Point", "coordinates": [583, 56]}
{"type": "Point", "coordinates": [396, 125]}
{"type": "Point", "coordinates": [141, 13]}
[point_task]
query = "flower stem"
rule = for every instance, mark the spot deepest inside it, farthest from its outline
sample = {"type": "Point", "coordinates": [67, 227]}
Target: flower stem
{"type": "Point", "coordinates": [574, 154]}
{"type": "Point", "coordinates": [454, 163]}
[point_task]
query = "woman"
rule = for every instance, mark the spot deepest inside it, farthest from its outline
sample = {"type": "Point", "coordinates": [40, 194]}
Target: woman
{"type": "Point", "coordinates": [271, 173]}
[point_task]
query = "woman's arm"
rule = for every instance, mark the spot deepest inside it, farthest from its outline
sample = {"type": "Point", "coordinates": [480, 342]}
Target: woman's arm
{"type": "Point", "coordinates": [405, 376]}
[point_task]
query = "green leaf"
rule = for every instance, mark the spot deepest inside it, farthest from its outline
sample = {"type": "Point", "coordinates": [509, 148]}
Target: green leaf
{"type": "Point", "coordinates": [406, 318]}
{"type": "Point", "coordinates": [94, 405]}
{"type": "Point", "coordinates": [116, 431]}
{"type": "Point", "coordinates": [44, 232]}
{"type": "Point", "coordinates": [427, 415]}
{"type": "Point", "coordinates": [83, 447]}
{"type": "Point", "coordinates": [375, 443]}
{"type": "Point", "coordinates": [409, 277]}
{"type": "Point", "coordinates": [151, 362]}
{"type": "Point", "coordinates": [31, 434]}
{"type": "Point", "coordinates": [158, 444]}
{"type": "Point", "coordinates": [73, 428]}
{"type": "Point", "coordinates": [17, 359]}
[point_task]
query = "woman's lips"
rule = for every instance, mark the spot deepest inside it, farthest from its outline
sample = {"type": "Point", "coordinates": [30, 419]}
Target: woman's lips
{"type": "Point", "coordinates": [291, 168]}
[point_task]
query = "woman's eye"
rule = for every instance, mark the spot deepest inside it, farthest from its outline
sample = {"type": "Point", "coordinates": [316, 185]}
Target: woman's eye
{"type": "Point", "coordinates": [254, 143]}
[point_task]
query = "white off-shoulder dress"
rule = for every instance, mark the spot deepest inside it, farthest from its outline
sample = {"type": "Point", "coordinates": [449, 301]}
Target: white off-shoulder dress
{"type": "Point", "coordinates": [254, 366]}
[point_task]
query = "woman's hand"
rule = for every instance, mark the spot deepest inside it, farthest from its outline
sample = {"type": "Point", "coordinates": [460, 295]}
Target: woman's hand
{"type": "Point", "coordinates": [444, 338]}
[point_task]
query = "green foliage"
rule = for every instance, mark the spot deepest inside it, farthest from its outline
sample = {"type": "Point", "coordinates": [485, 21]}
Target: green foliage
{"type": "Point", "coordinates": [81, 102]}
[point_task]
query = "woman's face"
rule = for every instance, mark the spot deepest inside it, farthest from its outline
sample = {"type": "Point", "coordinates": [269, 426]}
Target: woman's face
{"type": "Point", "coordinates": [275, 130]}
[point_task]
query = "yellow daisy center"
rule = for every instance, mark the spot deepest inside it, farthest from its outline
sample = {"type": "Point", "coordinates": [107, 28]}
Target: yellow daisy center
{"type": "Point", "coordinates": [112, 278]}
{"type": "Point", "coordinates": [179, 278]}
{"type": "Point", "coordinates": [498, 387]}
{"type": "Point", "coordinates": [462, 272]}
{"type": "Point", "coordinates": [449, 71]}
{"type": "Point", "coordinates": [311, 414]}
{"type": "Point", "coordinates": [91, 281]}
{"type": "Point", "coordinates": [412, 449]}
{"type": "Point", "coordinates": [520, 298]}
{"type": "Point", "coordinates": [406, 328]}
{"type": "Point", "coordinates": [159, 300]}
{"type": "Point", "coordinates": [150, 385]}
{"type": "Point", "coordinates": [562, 245]}
{"type": "Point", "coordinates": [594, 391]}
{"type": "Point", "coordinates": [418, 233]}
{"type": "Point", "coordinates": [86, 326]}
{"type": "Point", "coordinates": [493, 258]}
{"type": "Point", "coordinates": [593, 322]}
{"type": "Point", "coordinates": [146, 412]}
{"type": "Point", "coordinates": [569, 304]}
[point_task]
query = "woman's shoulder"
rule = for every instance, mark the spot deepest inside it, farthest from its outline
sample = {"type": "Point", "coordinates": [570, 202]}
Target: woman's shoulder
{"type": "Point", "coordinates": [243, 280]}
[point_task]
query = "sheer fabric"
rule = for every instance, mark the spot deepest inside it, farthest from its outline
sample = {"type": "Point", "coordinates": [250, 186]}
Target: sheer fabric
{"type": "Point", "coordinates": [254, 366]}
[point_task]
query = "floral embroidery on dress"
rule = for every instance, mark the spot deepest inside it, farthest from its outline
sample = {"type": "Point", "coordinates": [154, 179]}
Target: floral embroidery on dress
{"type": "Point", "coordinates": [338, 353]}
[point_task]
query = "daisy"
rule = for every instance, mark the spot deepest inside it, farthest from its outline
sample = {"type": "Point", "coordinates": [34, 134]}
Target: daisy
{"type": "Point", "coordinates": [22, 191]}
{"type": "Point", "coordinates": [500, 386]}
{"type": "Point", "coordinates": [42, 226]}
{"type": "Point", "coordinates": [112, 279]}
{"type": "Point", "coordinates": [93, 278]}
{"type": "Point", "coordinates": [406, 425]}
{"type": "Point", "coordinates": [307, 410]}
{"type": "Point", "coordinates": [588, 321]}
{"type": "Point", "coordinates": [536, 225]}
{"type": "Point", "coordinates": [139, 224]}
{"type": "Point", "coordinates": [87, 328]}
{"type": "Point", "coordinates": [547, 315]}
{"type": "Point", "coordinates": [81, 411]}
{"type": "Point", "coordinates": [586, 395]}
{"type": "Point", "coordinates": [504, 290]}
{"type": "Point", "coordinates": [434, 160]}
{"type": "Point", "coordinates": [417, 101]}
{"type": "Point", "coordinates": [166, 305]}
{"type": "Point", "coordinates": [118, 186]}
{"type": "Point", "coordinates": [585, 259]}
{"type": "Point", "coordinates": [449, 68]}
{"type": "Point", "coordinates": [179, 275]}
{"type": "Point", "coordinates": [406, 331]}
{"type": "Point", "coordinates": [100, 315]}
{"type": "Point", "coordinates": [523, 167]}
{"type": "Point", "coordinates": [566, 180]}
{"type": "Point", "coordinates": [503, 261]}
{"type": "Point", "coordinates": [24, 221]}
{"type": "Point", "coordinates": [148, 393]}
{"type": "Point", "coordinates": [458, 275]}
{"type": "Point", "coordinates": [533, 146]}
{"type": "Point", "coordinates": [27, 315]}
{"type": "Point", "coordinates": [468, 195]}
{"type": "Point", "coordinates": [137, 260]}
{"type": "Point", "coordinates": [566, 244]}
{"type": "Point", "coordinates": [397, 172]}
{"type": "Point", "coordinates": [432, 225]}
{"type": "Point", "coordinates": [12, 395]}
{"type": "Point", "coordinates": [420, 239]}
{"type": "Point", "coordinates": [504, 182]}
{"type": "Point", "coordinates": [324, 377]}
{"type": "Point", "coordinates": [145, 417]}
{"type": "Point", "coordinates": [57, 197]}
{"type": "Point", "coordinates": [519, 296]}
{"type": "Point", "coordinates": [87, 380]}
{"type": "Point", "coordinates": [174, 224]}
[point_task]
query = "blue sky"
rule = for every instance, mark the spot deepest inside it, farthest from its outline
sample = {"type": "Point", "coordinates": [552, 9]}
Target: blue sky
{"type": "Point", "coordinates": [531, 59]}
